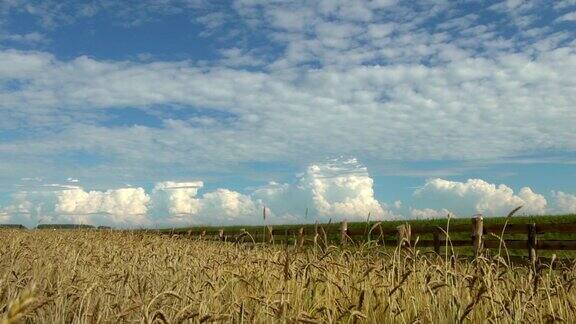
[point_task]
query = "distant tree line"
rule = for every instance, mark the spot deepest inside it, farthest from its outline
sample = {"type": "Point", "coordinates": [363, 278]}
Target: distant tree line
{"type": "Point", "coordinates": [15, 226]}
{"type": "Point", "coordinates": [56, 226]}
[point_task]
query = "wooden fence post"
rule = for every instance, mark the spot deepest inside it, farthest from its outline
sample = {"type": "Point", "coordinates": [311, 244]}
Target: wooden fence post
{"type": "Point", "coordinates": [532, 244]}
{"type": "Point", "coordinates": [409, 236]}
{"type": "Point", "coordinates": [241, 235]}
{"type": "Point", "coordinates": [301, 237]}
{"type": "Point", "coordinates": [221, 235]}
{"type": "Point", "coordinates": [404, 235]}
{"type": "Point", "coordinates": [400, 235]}
{"type": "Point", "coordinates": [315, 234]}
{"type": "Point", "coordinates": [437, 241]}
{"type": "Point", "coordinates": [343, 232]}
{"type": "Point", "coordinates": [477, 232]}
{"type": "Point", "coordinates": [381, 237]}
{"type": "Point", "coordinates": [270, 234]}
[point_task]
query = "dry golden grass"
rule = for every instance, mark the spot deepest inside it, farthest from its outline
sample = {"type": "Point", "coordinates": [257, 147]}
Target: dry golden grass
{"type": "Point", "coordinates": [96, 276]}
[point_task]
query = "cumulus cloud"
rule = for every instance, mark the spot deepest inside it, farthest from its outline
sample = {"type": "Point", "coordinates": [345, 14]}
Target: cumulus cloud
{"type": "Point", "coordinates": [123, 206]}
{"type": "Point", "coordinates": [177, 198]}
{"type": "Point", "coordinates": [31, 207]}
{"type": "Point", "coordinates": [479, 196]}
{"type": "Point", "coordinates": [428, 213]}
{"type": "Point", "coordinates": [72, 204]}
{"type": "Point", "coordinates": [564, 203]}
{"type": "Point", "coordinates": [169, 204]}
{"type": "Point", "coordinates": [224, 206]}
{"type": "Point", "coordinates": [337, 189]}
{"type": "Point", "coordinates": [179, 203]}
{"type": "Point", "coordinates": [4, 217]}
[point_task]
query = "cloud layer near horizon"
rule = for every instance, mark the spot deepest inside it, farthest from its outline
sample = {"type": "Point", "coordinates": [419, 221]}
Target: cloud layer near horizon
{"type": "Point", "coordinates": [479, 196]}
{"type": "Point", "coordinates": [337, 190]}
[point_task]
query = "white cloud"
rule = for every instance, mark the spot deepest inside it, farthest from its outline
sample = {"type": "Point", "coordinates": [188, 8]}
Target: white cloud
{"type": "Point", "coordinates": [72, 204]}
{"type": "Point", "coordinates": [177, 198]}
{"type": "Point", "coordinates": [4, 217]}
{"type": "Point", "coordinates": [26, 39]}
{"type": "Point", "coordinates": [379, 80]}
{"type": "Point", "coordinates": [224, 206]}
{"type": "Point", "coordinates": [342, 190]}
{"type": "Point", "coordinates": [391, 83]}
{"type": "Point", "coordinates": [31, 207]}
{"type": "Point", "coordinates": [123, 206]}
{"type": "Point", "coordinates": [571, 16]}
{"type": "Point", "coordinates": [479, 196]}
{"type": "Point", "coordinates": [564, 203]}
{"type": "Point", "coordinates": [380, 30]}
{"type": "Point", "coordinates": [179, 203]}
{"type": "Point", "coordinates": [396, 111]}
{"type": "Point", "coordinates": [170, 204]}
{"type": "Point", "coordinates": [339, 189]}
{"type": "Point", "coordinates": [563, 4]}
{"type": "Point", "coordinates": [51, 14]}
{"type": "Point", "coordinates": [236, 57]}
{"type": "Point", "coordinates": [428, 213]}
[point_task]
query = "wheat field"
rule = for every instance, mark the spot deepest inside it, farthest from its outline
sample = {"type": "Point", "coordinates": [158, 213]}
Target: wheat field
{"type": "Point", "coordinates": [89, 276]}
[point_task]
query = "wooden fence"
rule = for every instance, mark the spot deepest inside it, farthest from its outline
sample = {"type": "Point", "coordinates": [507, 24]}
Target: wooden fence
{"type": "Point", "coordinates": [481, 236]}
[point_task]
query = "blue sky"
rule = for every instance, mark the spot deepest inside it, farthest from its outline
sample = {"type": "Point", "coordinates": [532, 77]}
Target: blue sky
{"type": "Point", "coordinates": [142, 113]}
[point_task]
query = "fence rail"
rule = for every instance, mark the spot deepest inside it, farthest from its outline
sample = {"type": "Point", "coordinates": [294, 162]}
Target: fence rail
{"type": "Point", "coordinates": [566, 228]}
{"type": "Point", "coordinates": [481, 236]}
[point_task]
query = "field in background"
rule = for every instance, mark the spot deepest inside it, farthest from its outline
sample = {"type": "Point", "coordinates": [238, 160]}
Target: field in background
{"type": "Point", "coordinates": [118, 276]}
{"type": "Point", "coordinates": [259, 233]}
{"type": "Point", "coordinates": [548, 219]}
